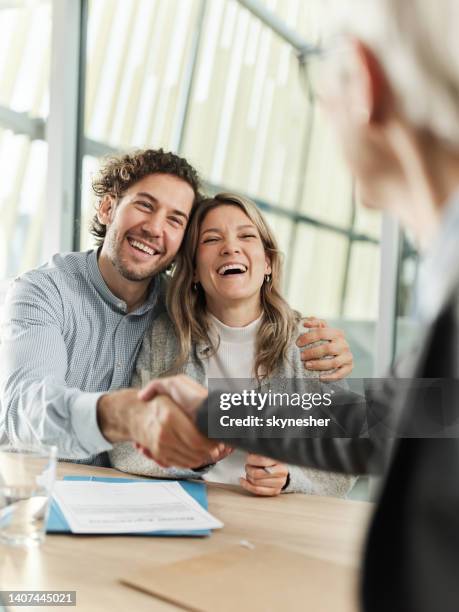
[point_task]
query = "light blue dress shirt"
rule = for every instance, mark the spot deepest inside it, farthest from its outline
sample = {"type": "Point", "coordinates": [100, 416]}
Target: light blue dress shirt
{"type": "Point", "coordinates": [65, 340]}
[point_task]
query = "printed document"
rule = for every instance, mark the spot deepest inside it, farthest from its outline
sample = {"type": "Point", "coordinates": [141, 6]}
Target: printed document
{"type": "Point", "coordinates": [100, 507]}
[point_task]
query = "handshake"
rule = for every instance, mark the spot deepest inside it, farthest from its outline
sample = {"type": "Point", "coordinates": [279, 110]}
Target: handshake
{"type": "Point", "coordinates": [161, 420]}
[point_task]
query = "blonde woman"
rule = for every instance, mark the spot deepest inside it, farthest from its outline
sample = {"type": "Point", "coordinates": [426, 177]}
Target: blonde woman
{"type": "Point", "coordinates": [226, 319]}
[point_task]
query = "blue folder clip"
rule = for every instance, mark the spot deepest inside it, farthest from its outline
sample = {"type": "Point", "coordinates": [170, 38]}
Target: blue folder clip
{"type": "Point", "coordinates": [57, 522]}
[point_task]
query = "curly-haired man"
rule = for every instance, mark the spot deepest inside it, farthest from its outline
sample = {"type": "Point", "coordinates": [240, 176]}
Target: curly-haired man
{"type": "Point", "coordinates": [74, 325]}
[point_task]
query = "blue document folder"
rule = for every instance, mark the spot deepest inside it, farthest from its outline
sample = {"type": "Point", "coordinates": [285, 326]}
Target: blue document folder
{"type": "Point", "coordinates": [57, 522]}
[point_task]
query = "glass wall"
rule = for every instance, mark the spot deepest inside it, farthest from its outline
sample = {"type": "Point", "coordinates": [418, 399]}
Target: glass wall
{"type": "Point", "coordinates": [22, 202]}
{"type": "Point", "coordinates": [209, 80]}
{"type": "Point", "coordinates": [138, 59]}
{"type": "Point", "coordinates": [25, 36]}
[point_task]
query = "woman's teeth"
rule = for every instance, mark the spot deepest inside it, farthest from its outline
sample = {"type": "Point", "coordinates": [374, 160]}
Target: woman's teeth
{"type": "Point", "coordinates": [232, 269]}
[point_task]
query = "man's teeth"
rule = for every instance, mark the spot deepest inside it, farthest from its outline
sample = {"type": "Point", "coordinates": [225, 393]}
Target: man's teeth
{"type": "Point", "coordinates": [227, 267]}
{"type": "Point", "coordinates": [142, 247]}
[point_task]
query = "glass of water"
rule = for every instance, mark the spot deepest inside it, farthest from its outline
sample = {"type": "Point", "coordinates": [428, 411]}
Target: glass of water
{"type": "Point", "coordinates": [26, 480]}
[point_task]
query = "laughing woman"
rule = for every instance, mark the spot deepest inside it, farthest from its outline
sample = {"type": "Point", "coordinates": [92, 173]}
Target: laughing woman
{"type": "Point", "coordinates": [226, 319]}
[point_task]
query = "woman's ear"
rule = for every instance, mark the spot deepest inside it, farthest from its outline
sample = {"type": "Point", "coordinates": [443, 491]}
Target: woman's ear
{"type": "Point", "coordinates": [106, 209]}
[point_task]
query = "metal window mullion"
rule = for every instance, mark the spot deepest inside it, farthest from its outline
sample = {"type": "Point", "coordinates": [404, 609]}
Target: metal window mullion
{"type": "Point", "coordinates": [277, 25]}
{"type": "Point", "coordinates": [303, 167]}
{"type": "Point", "coordinates": [384, 346]}
{"type": "Point", "coordinates": [62, 127]}
{"type": "Point", "coordinates": [385, 325]}
{"type": "Point", "coordinates": [80, 138]}
{"type": "Point", "coordinates": [22, 123]}
{"type": "Point", "coordinates": [188, 81]}
{"type": "Point", "coordinates": [350, 243]}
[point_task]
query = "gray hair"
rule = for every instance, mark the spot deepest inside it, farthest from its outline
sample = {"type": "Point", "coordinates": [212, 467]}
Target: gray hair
{"type": "Point", "coordinates": [417, 43]}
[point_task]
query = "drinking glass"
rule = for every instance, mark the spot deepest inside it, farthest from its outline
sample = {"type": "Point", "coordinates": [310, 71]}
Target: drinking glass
{"type": "Point", "coordinates": [27, 476]}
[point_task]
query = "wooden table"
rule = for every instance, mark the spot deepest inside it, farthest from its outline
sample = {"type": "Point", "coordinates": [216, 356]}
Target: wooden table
{"type": "Point", "coordinates": [322, 527]}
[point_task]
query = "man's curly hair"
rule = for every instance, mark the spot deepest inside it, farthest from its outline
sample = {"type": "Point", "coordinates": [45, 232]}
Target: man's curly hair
{"type": "Point", "coordinates": [117, 174]}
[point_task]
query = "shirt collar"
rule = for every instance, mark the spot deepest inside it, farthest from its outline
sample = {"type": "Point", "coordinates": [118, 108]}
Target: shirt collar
{"type": "Point", "coordinates": [439, 269]}
{"type": "Point", "coordinates": [103, 290]}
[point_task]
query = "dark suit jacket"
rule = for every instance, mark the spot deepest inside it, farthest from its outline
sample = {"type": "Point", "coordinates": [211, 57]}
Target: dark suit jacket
{"type": "Point", "coordinates": [411, 562]}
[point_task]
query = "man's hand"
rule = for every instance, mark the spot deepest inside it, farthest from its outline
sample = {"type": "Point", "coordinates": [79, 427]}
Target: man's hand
{"type": "Point", "coordinates": [189, 395]}
{"type": "Point", "coordinates": [184, 391]}
{"type": "Point", "coordinates": [264, 476]}
{"type": "Point", "coordinates": [171, 438]}
{"type": "Point", "coordinates": [333, 354]}
{"type": "Point", "coordinates": [158, 426]}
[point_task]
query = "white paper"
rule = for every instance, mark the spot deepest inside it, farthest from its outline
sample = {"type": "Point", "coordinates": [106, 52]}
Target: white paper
{"type": "Point", "coordinates": [100, 507]}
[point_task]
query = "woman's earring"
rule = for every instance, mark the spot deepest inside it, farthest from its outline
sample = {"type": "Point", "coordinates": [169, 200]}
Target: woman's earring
{"type": "Point", "coordinates": [267, 278]}
{"type": "Point", "coordinates": [195, 286]}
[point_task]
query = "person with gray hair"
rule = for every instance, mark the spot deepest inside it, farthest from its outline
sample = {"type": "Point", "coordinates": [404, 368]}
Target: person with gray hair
{"type": "Point", "coordinates": [390, 86]}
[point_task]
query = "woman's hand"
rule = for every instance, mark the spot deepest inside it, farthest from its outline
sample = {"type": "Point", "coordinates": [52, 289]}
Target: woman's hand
{"type": "Point", "coordinates": [264, 476]}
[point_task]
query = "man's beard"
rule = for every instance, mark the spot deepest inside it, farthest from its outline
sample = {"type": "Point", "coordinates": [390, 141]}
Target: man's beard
{"type": "Point", "coordinates": [114, 254]}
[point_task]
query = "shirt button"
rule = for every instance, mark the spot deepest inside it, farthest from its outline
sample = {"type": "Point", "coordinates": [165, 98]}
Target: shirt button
{"type": "Point", "coordinates": [119, 364]}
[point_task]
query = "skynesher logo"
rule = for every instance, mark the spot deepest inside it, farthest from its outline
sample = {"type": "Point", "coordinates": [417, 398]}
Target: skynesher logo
{"type": "Point", "coordinates": [255, 399]}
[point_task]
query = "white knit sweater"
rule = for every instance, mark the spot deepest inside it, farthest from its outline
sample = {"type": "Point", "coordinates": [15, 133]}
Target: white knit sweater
{"type": "Point", "coordinates": [233, 359]}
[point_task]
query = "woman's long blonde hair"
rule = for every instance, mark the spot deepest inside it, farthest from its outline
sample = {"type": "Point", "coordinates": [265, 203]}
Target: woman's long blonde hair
{"type": "Point", "coordinates": [187, 306]}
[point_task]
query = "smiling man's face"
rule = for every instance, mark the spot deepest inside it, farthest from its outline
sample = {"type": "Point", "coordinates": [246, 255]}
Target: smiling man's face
{"type": "Point", "coordinates": [145, 227]}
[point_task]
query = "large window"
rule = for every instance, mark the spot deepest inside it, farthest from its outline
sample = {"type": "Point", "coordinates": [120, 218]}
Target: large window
{"type": "Point", "coordinates": [211, 81]}
{"type": "Point", "coordinates": [25, 31]}
{"type": "Point", "coordinates": [205, 78]}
